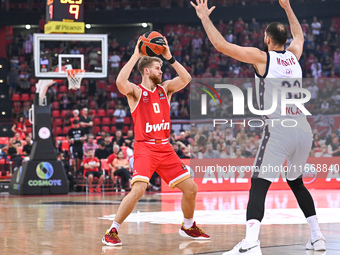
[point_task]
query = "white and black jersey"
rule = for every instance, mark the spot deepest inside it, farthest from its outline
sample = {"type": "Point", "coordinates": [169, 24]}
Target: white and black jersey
{"type": "Point", "coordinates": [283, 71]}
{"type": "Point", "coordinates": [279, 142]}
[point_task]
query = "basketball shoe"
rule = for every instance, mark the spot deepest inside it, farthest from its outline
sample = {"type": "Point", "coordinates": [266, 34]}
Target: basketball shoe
{"type": "Point", "coordinates": [111, 238]}
{"type": "Point", "coordinates": [318, 244]}
{"type": "Point", "coordinates": [98, 190]}
{"type": "Point", "coordinates": [245, 248]}
{"type": "Point", "coordinates": [194, 232]}
{"type": "Point", "coordinates": [91, 190]}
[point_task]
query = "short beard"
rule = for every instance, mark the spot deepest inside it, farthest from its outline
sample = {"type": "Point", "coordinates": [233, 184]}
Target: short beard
{"type": "Point", "coordinates": [155, 79]}
{"type": "Point", "coordinates": [265, 48]}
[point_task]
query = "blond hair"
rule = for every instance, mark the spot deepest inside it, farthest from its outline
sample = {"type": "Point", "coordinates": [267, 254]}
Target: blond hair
{"type": "Point", "coordinates": [146, 62]}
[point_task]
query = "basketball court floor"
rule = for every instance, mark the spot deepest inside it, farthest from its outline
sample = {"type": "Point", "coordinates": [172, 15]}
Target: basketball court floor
{"type": "Point", "coordinates": [74, 224]}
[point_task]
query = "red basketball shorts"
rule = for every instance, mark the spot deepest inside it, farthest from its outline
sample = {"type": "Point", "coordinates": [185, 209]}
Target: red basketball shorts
{"type": "Point", "coordinates": [160, 158]}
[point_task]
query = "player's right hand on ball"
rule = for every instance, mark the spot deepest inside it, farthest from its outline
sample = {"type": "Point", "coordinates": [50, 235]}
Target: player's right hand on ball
{"type": "Point", "coordinates": [137, 51]}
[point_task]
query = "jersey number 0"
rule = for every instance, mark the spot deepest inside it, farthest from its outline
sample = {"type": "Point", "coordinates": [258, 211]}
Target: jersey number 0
{"type": "Point", "coordinates": [156, 108]}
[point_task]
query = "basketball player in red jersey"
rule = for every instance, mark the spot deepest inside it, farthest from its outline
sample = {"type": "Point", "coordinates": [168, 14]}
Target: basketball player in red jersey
{"type": "Point", "coordinates": [150, 108]}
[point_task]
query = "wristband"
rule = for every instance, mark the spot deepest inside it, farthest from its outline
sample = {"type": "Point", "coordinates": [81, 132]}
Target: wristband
{"type": "Point", "coordinates": [171, 60]}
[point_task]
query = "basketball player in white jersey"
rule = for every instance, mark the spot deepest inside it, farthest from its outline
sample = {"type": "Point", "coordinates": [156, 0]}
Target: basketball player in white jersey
{"type": "Point", "coordinates": [274, 68]}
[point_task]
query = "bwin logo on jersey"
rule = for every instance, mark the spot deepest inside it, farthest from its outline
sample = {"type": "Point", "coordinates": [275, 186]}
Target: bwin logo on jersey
{"type": "Point", "coordinates": [157, 127]}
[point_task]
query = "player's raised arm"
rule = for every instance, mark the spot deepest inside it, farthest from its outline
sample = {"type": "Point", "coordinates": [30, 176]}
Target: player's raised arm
{"type": "Point", "coordinates": [124, 85]}
{"type": "Point", "coordinates": [183, 77]}
{"type": "Point", "coordinates": [249, 55]}
{"type": "Point", "coordinates": [296, 46]}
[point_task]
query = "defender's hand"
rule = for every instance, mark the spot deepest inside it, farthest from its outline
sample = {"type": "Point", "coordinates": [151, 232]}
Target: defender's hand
{"type": "Point", "coordinates": [284, 4]}
{"type": "Point", "coordinates": [166, 53]}
{"type": "Point", "coordinates": [202, 9]}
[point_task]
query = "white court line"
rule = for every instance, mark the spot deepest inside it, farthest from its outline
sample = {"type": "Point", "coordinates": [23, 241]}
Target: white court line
{"type": "Point", "coordinates": [230, 217]}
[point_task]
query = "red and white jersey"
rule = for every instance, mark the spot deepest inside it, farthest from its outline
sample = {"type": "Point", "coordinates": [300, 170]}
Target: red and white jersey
{"type": "Point", "coordinates": [152, 116]}
{"type": "Point", "coordinates": [283, 71]}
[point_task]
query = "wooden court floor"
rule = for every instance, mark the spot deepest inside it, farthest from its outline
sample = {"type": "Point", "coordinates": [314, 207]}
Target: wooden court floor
{"type": "Point", "coordinates": [75, 224]}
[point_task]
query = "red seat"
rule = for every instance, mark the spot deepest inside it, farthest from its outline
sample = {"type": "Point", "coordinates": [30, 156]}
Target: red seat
{"type": "Point", "coordinates": [125, 130]}
{"type": "Point", "coordinates": [127, 120]}
{"type": "Point", "coordinates": [65, 130]}
{"type": "Point", "coordinates": [63, 113]}
{"type": "Point", "coordinates": [58, 121]}
{"type": "Point", "coordinates": [55, 113]}
{"type": "Point", "coordinates": [96, 130]}
{"type": "Point", "coordinates": [4, 140]}
{"type": "Point", "coordinates": [31, 97]}
{"type": "Point", "coordinates": [113, 121]}
{"type": "Point", "coordinates": [106, 121]}
{"type": "Point", "coordinates": [106, 129]}
{"type": "Point", "coordinates": [105, 166]}
{"type": "Point", "coordinates": [109, 112]}
{"type": "Point", "coordinates": [96, 121]}
{"type": "Point", "coordinates": [124, 148]}
{"type": "Point", "coordinates": [113, 129]}
{"type": "Point", "coordinates": [65, 145]}
{"type": "Point", "coordinates": [33, 89]}
{"type": "Point", "coordinates": [63, 89]}
{"type": "Point", "coordinates": [28, 123]}
{"type": "Point", "coordinates": [92, 104]}
{"type": "Point", "coordinates": [55, 105]}
{"type": "Point", "coordinates": [101, 113]}
{"type": "Point", "coordinates": [25, 97]}
{"type": "Point", "coordinates": [93, 112]}
{"type": "Point", "coordinates": [58, 131]}
{"type": "Point", "coordinates": [29, 130]}
{"type": "Point", "coordinates": [15, 97]}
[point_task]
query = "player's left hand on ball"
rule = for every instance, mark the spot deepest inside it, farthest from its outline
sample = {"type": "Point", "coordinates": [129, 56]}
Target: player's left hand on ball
{"type": "Point", "coordinates": [166, 53]}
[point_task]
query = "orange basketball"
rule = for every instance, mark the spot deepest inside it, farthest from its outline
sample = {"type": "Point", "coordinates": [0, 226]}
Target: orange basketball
{"type": "Point", "coordinates": [152, 43]}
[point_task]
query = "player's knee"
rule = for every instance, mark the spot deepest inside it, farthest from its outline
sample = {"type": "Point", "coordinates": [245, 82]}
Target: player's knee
{"type": "Point", "coordinates": [296, 184]}
{"type": "Point", "coordinates": [138, 189]}
{"type": "Point", "coordinates": [90, 177]}
{"type": "Point", "coordinates": [191, 190]}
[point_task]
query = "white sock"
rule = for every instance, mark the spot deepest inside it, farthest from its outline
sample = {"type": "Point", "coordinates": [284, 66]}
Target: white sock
{"type": "Point", "coordinates": [314, 227]}
{"type": "Point", "coordinates": [115, 225]}
{"type": "Point", "coordinates": [252, 231]}
{"type": "Point", "coordinates": [188, 222]}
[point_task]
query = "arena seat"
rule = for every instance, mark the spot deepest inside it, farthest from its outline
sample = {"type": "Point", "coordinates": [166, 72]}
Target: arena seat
{"type": "Point", "coordinates": [25, 97]}
{"type": "Point", "coordinates": [4, 140]}
{"type": "Point", "coordinates": [96, 121]}
{"type": "Point", "coordinates": [63, 89]}
{"type": "Point", "coordinates": [106, 121]}
{"type": "Point", "coordinates": [127, 120]}
{"type": "Point", "coordinates": [113, 129]}
{"type": "Point", "coordinates": [55, 113]}
{"type": "Point", "coordinates": [101, 113]}
{"type": "Point", "coordinates": [16, 97]}
{"type": "Point", "coordinates": [55, 105]}
{"type": "Point", "coordinates": [65, 130]}
{"type": "Point", "coordinates": [109, 112]}
{"type": "Point", "coordinates": [63, 113]}
{"type": "Point", "coordinates": [106, 129]}
{"type": "Point", "coordinates": [58, 121]}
